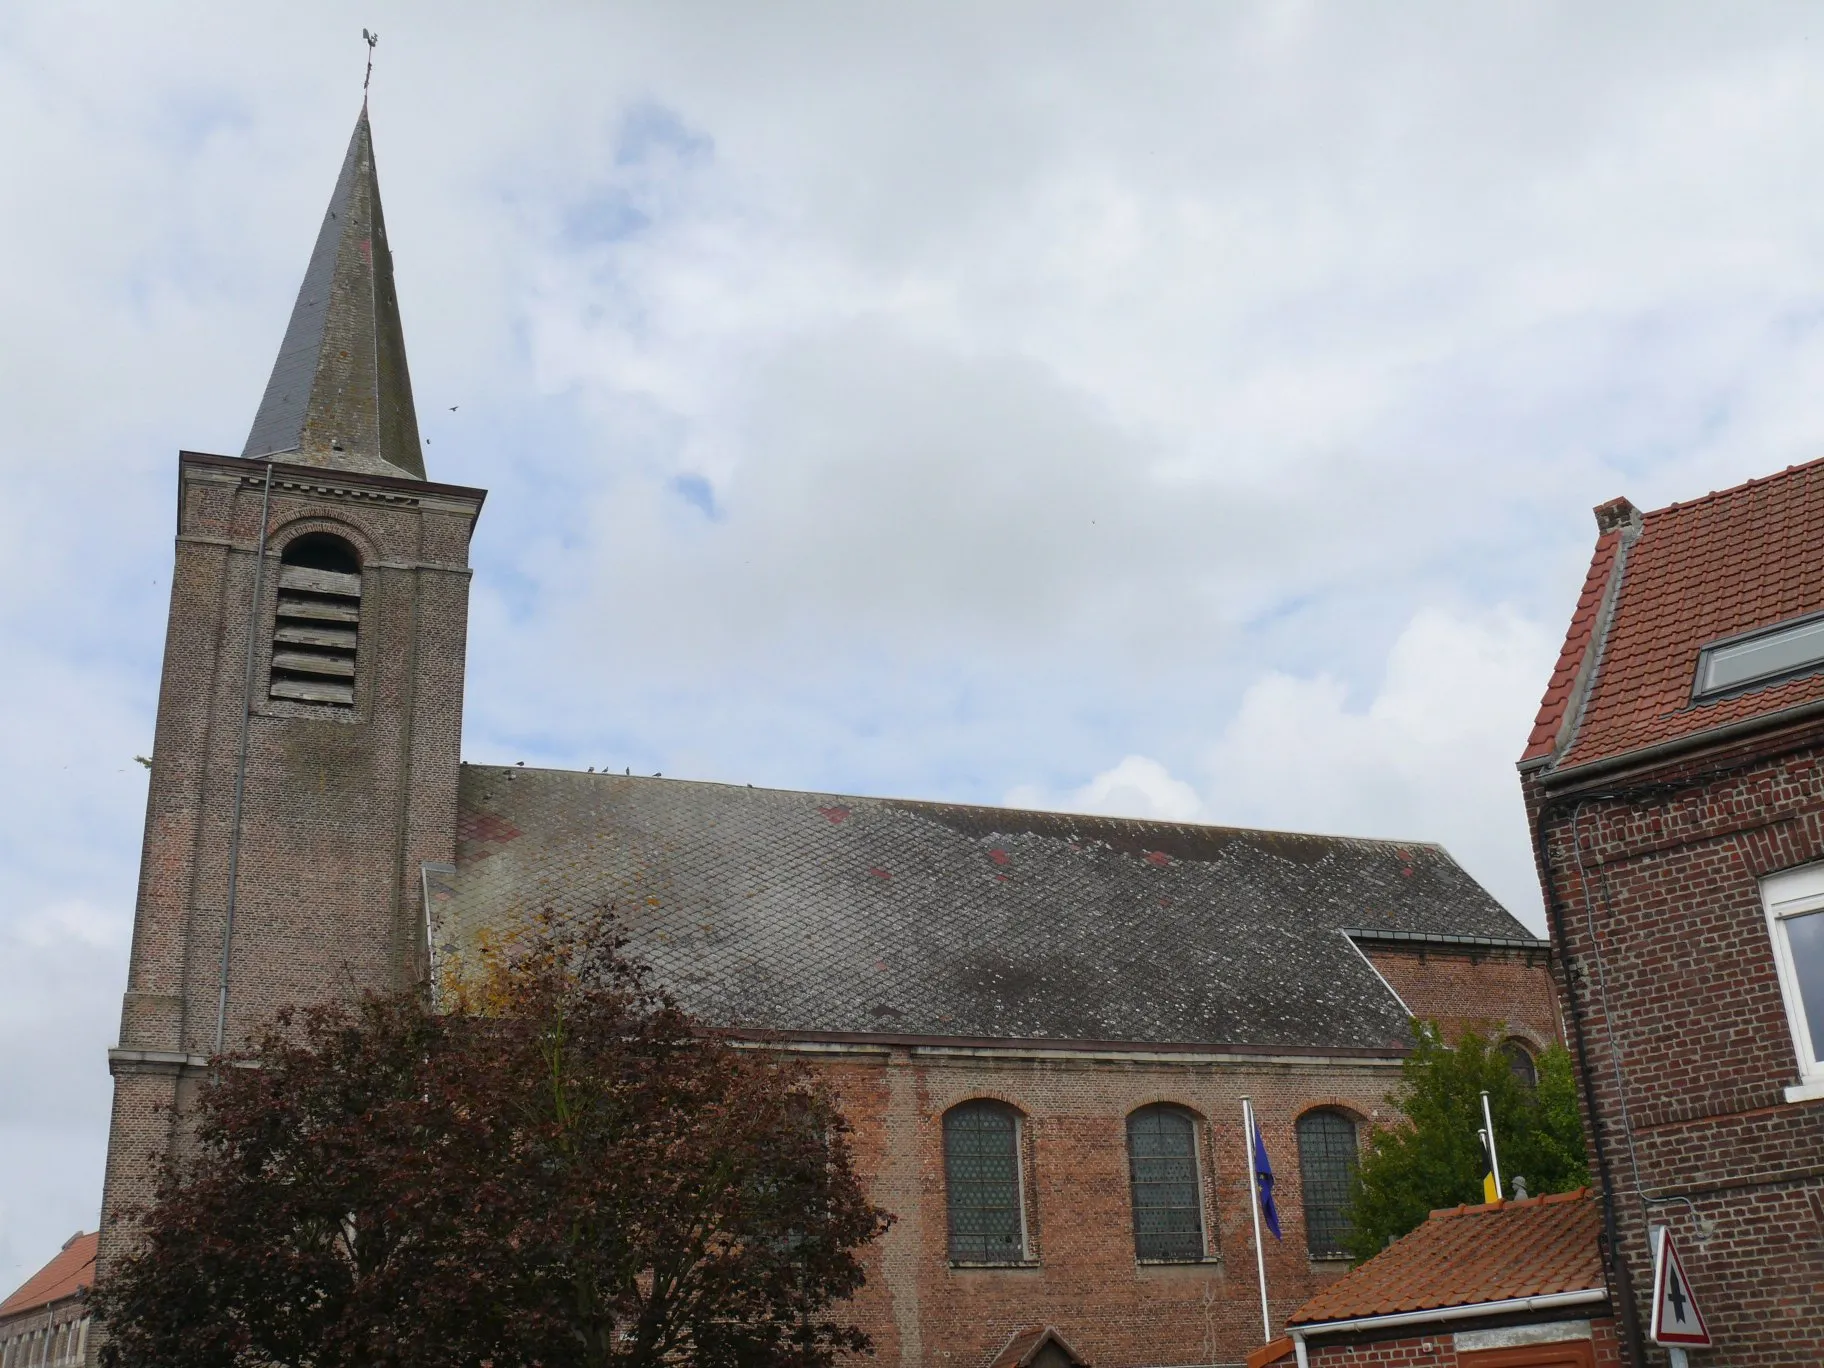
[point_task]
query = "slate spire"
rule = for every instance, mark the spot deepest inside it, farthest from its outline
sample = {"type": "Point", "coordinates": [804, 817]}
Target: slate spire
{"type": "Point", "coordinates": [340, 394]}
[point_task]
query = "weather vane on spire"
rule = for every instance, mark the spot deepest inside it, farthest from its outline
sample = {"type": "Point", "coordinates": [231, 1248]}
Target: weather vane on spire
{"type": "Point", "coordinates": [373, 40]}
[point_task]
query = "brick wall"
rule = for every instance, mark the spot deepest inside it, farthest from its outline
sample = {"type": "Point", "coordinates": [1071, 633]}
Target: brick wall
{"type": "Point", "coordinates": [1662, 928]}
{"type": "Point", "coordinates": [1087, 1282]}
{"type": "Point", "coordinates": [45, 1336]}
{"type": "Point", "coordinates": [340, 806]}
{"type": "Point", "coordinates": [1499, 992]}
{"type": "Point", "coordinates": [1439, 1349]}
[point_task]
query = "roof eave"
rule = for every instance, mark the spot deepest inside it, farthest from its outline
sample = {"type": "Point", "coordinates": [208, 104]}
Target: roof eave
{"type": "Point", "coordinates": [784, 1038]}
{"type": "Point", "coordinates": [1548, 1301]}
{"type": "Point", "coordinates": [1674, 747]}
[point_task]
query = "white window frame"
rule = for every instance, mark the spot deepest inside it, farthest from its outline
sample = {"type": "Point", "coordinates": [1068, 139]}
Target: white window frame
{"type": "Point", "coordinates": [1790, 894]}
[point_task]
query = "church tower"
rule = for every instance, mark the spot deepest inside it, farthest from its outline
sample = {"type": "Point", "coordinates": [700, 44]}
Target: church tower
{"type": "Point", "coordinates": [310, 711]}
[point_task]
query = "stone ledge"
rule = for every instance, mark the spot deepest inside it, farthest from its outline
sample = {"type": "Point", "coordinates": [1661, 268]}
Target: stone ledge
{"type": "Point", "coordinates": [153, 1061]}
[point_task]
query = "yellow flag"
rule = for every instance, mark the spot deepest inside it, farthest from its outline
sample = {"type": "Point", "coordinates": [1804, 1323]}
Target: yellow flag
{"type": "Point", "coordinates": [1491, 1190]}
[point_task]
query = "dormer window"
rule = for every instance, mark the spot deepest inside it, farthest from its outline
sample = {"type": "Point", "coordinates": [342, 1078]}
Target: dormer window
{"type": "Point", "coordinates": [1764, 656]}
{"type": "Point", "coordinates": [317, 623]}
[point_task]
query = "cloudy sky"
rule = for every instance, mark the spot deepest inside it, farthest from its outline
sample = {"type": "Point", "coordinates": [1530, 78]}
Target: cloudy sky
{"type": "Point", "coordinates": [1170, 409]}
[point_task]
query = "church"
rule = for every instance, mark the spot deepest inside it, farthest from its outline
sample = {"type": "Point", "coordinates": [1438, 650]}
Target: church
{"type": "Point", "coordinates": [1042, 1026]}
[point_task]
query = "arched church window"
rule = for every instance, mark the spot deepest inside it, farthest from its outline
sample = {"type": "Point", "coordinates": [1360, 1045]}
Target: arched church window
{"type": "Point", "coordinates": [1520, 1060]}
{"type": "Point", "coordinates": [318, 621]}
{"type": "Point", "coordinates": [1326, 1167]}
{"type": "Point", "coordinates": [982, 1177]}
{"type": "Point", "coordinates": [1162, 1168]}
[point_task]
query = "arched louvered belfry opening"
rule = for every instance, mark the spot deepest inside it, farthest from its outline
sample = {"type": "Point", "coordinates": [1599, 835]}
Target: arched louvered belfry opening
{"type": "Point", "coordinates": [317, 624]}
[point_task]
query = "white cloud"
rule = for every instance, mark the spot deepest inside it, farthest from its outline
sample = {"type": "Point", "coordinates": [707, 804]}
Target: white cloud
{"type": "Point", "coordinates": [1136, 787]}
{"type": "Point", "coordinates": [1428, 757]}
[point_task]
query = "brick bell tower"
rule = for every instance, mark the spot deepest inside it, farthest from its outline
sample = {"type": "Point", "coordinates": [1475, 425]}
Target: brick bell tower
{"type": "Point", "coordinates": [310, 711]}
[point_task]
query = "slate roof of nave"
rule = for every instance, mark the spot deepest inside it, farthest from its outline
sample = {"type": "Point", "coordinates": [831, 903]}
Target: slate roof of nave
{"type": "Point", "coordinates": [766, 910]}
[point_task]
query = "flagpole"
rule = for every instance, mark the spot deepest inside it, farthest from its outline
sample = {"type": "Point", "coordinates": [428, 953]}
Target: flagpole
{"type": "Point", "coordinates": [1260, 1250]}
{"type": "Point", "coordinates": [1494, 1159]}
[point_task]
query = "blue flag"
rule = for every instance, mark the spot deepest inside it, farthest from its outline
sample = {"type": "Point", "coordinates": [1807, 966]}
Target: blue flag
{"type": "Point", "coordinates": [1263, 1179]}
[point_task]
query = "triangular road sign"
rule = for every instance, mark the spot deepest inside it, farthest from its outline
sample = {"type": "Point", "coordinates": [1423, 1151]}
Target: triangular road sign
{"type": "Point", "coordinates": [1676, 1319]}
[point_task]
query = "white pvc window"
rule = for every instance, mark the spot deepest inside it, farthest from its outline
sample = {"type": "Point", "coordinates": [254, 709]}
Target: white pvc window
{"type": "Point", "coordinates": [1795, 921]}
{"type": "Point", "coordinates": [1728, 666]}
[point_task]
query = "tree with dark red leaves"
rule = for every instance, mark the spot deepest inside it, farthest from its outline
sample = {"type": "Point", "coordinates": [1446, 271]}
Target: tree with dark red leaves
{"type": "Point", "coordinates": [554, 1166]}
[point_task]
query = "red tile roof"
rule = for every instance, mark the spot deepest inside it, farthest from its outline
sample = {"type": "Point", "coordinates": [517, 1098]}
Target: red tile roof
{"type": "Point", "coordinates": [1727, 563]}
{"type": "Point", "coordinates": [1023, 1348]}
{"type": "Point", "coordinates": [1466, 1255]}
{"type": "Point", "coordinates": [72, 1270]}
{"type": "Point", "coordinates": [1577, 642]}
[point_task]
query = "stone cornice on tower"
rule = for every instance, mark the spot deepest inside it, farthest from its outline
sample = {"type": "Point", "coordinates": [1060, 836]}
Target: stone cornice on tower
{"type": "Point", "coordinates": [340, 395]}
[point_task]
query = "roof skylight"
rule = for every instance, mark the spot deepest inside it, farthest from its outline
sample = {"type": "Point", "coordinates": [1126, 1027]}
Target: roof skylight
{"type": "Point", "coordinates": [1776, 653]}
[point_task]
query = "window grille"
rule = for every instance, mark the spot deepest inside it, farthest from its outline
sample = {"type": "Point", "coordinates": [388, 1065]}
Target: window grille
{"type": "Point", "coordinates": [982, 1175]}
{"type": "Point", "coordinates": [1326, 1166]}
{"type": "Point", "coordinates": [317, 622]}
{"type": "Point", "coordinates": [1162, 1163]}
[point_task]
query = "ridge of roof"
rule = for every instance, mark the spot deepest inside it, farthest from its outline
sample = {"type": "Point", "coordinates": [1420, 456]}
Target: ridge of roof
{"type": "Point", "coordinates": [1037, 816]}
{"type": "Point", "coordinates": [70, 1270]}
{"type": "Point", "coordinates": [1509, 1204]}
{"type": "Point", "coordinates": [1680, 505]}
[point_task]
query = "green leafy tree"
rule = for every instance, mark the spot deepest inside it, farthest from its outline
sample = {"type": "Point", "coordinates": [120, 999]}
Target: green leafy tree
{"type": "Point", "coordinates": [558, 1168]}
{"type": "Point", "coordinates": [1431, 1157]}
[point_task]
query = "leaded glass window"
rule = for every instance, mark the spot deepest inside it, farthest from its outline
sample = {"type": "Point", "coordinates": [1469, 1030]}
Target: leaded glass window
{"type": "Point", "coordinates": [1162, 1163]}
{"type": "Point", "coordinates": [1326, 1166]}
{"type": "Point", "coordinates": [1520, 1063]}
{"type": "Point", "coordinates": [982, 1174]}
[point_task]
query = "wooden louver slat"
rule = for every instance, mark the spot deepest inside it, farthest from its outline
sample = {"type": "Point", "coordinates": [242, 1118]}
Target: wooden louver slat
{"type": "Point", "coordinates": [321, 609]}
{"type": "Point", "coordinates": [333, 638]}
{"type": "Point", "coordinates": [319, 581]}
{"type": "Point", "coordinates": [314, 691]}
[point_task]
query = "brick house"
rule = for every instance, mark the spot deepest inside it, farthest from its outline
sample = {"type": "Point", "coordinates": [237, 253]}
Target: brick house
{"type": "Point", "coordinates": [1041, 1026]}
{"type": "Point", "coordinates": [1508, 1285]}
{"type": "Point", "coordinates": [45, 1323]}
{"type": "Point", "coordinates": [1677, 798]}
